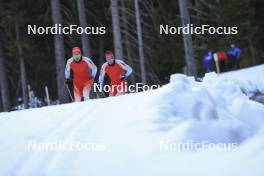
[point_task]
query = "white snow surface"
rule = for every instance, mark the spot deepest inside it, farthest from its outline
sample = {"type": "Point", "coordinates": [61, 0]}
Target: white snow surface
{"type": "Point", "coordinates": [250, 80]}
{"type": "Point", "coordinates": [132, 127]}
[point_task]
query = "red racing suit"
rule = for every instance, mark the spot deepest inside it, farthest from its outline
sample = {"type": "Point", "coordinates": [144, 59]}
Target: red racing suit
{"type": "Point", "coordinates": [222, 56]}
{"type": "Point", "coordinates": [83, 73]}
{"type": "Point", "coordinates": [115, 71]}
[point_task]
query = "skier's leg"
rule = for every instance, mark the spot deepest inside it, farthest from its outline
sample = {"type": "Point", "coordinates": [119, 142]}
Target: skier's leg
{"type": "Point", "coordinates": [228, 64]}
{"type": "Point", "coordinates": [222, 66]}
{"type": "Point", "coordinates": [120, 93]}
{"type": "Point", "coordinates": [123, 89]}
{"type": "Point", "coordinates": [225, 66]}
{"type": "Point", "coordinates": [205, 65]}
{"type": "Point", "coordinates": [113, 90]}
{"type": "Point", "coordinates": [77, 93]}
{"type": "Point", "coordinates": [209, 67]}
{"type": "Point", "coordinates": [238, 63]}
{"type": "Point", "coordinates": [86, 91]}
{"type": "Point", "coordinates": [232, 63]}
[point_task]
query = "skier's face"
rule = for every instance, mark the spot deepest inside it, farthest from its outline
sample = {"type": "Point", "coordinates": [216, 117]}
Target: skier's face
{"type": "Point", "coordinates": [77, 57]}
{"type": "Point", "coordinates": [109, 60]}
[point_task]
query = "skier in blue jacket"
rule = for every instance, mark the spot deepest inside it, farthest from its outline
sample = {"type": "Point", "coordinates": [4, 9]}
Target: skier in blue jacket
{"type": "Point", "coordinates": [234, 56]}
{"type": "Point", "coordinates": [208, 58]}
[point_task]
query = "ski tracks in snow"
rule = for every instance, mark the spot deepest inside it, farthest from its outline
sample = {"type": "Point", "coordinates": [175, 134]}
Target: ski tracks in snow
{"type": "Point", "coordinates": [34, 161]}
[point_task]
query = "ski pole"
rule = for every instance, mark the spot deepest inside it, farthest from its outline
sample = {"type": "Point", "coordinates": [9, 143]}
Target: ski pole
{"type": "Point", "coordinates": [97, 96]}
{"type": "Point", "coordinates": [103, 94]}
{"type": "Point", "coordinates": [102, 91]}
{"type": "Point", "coordinates": [47, 95]}
{"type": "Point", "coordinates": [100, 96]}
{"type": "Point", "coordinates": [93, 90]}
{"type": "Point", "coordinates": [69, 92]}
{"type": "Point", "coordinates": [216, 63]}
{"type": "Point", "coordinates": [217, 67]}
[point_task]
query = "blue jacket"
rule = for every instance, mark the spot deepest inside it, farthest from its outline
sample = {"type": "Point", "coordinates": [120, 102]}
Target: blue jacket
{"type": "Point", "coordinates": [235, 53]}
{"type": "Point", "coordinates": [208, 58]}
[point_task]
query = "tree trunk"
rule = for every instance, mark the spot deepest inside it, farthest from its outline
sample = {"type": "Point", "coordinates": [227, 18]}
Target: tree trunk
{"type": "Point", "coordinates": [1, 105]}
{"type": "Point", "coordinates": [116, 30]}
{"type": "Point", "coordinates": [187, 40]}
{"type": "Point", "coordinates": [59, 52]}
{"type": "Point", "coordinates": [128, 46]}
{"type": "Point", "coordinates": [22, 69]}
{"type": "Point", "coordinates": [82, 18]}
{"type": "Point", "coordinates": [4, 83]}
{"type": "Point", "coordinates": [140, 44]}
{"type": "Point", "coordinates": [252, 51]}
{"type": "Point", "coordinates": [101, 50]}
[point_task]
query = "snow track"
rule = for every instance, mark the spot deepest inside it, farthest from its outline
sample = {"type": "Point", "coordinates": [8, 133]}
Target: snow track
{"type": "Point", "coordinates": [67, 128]}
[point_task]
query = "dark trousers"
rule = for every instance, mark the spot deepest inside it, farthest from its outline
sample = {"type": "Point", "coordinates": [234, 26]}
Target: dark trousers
{"type": "Point", "coordinates": [222, 65]}
{"type": "Point", "coordinates": [231, 63]}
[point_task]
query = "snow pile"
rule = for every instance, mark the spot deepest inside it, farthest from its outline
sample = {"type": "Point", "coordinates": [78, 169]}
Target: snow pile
{"type": "Point", "coordinates": [132, 128]}
{"type": "Point", "coordinates": [250, 80]}
{"type": "Point", "coordinates": [213, 110]}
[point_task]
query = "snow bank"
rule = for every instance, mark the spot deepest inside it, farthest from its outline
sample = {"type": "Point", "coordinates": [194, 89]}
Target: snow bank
{"type": "Point", "coordinates": [132, 129]}
{"type": "Point", "coordinates": [250, 80]}
{"type": "Point", "coordinates": [218, 111]}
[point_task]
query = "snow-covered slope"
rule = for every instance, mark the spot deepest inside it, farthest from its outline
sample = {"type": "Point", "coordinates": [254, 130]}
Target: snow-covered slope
{"type": "Point", "coordinates": [130, 131]}
{"type": "Point", "coordinates": [250, 80]}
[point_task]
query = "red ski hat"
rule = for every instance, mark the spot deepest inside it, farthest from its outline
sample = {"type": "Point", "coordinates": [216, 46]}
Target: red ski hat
{"type": "Point", "coordinates": [76, 50]}
{"type": "Point", "coordinates": [109, 54]}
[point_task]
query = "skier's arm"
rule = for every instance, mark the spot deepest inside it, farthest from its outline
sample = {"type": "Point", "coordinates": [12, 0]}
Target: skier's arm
{"type": "Point", "coordinates": [128, 70]}
{"type": "Point", "coordinates": [68, 69]}
{"type": "Point", "coordinates": [92, 66]}
{"type": "Point", "coordinates": [102, 74]}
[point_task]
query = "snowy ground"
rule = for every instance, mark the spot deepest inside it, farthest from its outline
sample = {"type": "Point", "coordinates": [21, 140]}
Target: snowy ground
{"type": "Point", "coordinates": [129, 133]}
{"type": "Point", "coordinates": [250, 80]}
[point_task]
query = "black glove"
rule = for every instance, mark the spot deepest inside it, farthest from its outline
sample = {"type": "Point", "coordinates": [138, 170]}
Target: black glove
{"type": "Point", "coordinates": [67, 82]}
{"type": "Point", "coordinates": [123, 77]}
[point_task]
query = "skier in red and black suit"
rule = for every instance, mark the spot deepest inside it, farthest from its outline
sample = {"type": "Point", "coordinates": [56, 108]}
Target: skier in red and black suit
{"type": "Point", "coordinates": [83, 72]}
{"type": "Point", "coordinates": [118, 71]}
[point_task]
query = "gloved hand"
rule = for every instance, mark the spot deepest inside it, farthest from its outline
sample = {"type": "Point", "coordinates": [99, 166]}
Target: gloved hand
{"type": "Point", "coordinates": [67, 82]}
{"type": "Point", "coordinates": [91, 77]}
{"type": "Point", "coordinates": [123, 77]}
